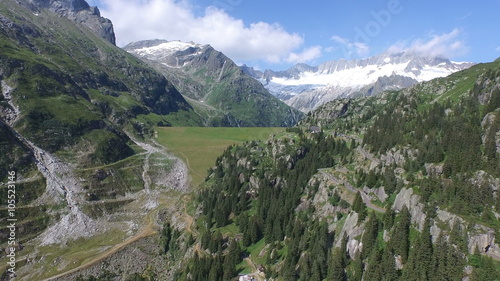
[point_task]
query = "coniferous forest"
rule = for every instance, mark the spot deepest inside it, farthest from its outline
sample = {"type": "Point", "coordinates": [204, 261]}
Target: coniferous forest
{"type": "Point", "coordinates": [402, 186]}
{"type": "Point", "coordinates": [294, 204]}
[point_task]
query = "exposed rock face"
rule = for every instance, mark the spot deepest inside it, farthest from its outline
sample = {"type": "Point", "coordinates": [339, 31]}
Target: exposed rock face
{"type": "Point", "coordinates": [412, 202]}
{"type": "Point", "coordinates": [394, 156]}
{"type": "Point", "coordinates": [378, 192]}
{"type": "Point", "coordinates": [352, 229]}
{"type": "Point", "coordinates": [435, 170]}
{"type": "Point", "coordinates": [80, 12]}
{"type": "Point", "coordinates": [487, 123]}
{"type": "Point", "coordinates": [483, 239]}
{"type": "Point", "coordinates": [11, 113]}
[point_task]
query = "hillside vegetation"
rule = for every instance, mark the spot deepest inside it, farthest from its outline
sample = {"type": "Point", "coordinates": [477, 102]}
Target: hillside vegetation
{"type": "Point", "coordinates": [402, 186]}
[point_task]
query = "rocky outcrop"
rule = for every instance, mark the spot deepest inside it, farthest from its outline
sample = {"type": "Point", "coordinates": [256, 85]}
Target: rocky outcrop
{"type": "Point", "coordinates": [488, 121]}
{"type": "Point", "coordinates": [412, 202]}
{"type": "Point", "coordinates": [379, 192]}
{"type": "Point", "coordinates": [353, 230]}
{"type": "Point", "coordinates": [482, 239]}
{"type": "Point", "coordinates": [10, 113]}
{"type": "Point", "coordinates": [394, 156]}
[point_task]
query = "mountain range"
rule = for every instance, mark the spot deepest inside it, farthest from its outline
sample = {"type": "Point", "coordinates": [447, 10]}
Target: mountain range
{"type": "Point", "coordinates": [75, 113]}
{"type": "Point", "coordinates": [374, 185]}
{"type": "Point", "coordinates": [306, 87]}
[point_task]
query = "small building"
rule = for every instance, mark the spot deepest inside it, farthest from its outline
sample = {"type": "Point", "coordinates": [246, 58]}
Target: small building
{"type": "Point", "coordinates": [314, 129]}
{"type": "Point", "coordinates": [245, 278]}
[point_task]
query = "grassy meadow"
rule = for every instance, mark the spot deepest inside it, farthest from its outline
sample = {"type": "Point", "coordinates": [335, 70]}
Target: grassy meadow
{"type": "Point", "coordinates": [199, 147]}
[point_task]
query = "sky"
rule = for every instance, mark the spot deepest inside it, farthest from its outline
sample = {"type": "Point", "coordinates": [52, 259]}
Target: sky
{"type": "Point", "coordinates": [277, 34]}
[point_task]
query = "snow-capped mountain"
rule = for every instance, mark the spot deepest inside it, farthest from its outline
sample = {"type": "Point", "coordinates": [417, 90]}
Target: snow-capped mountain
{"type": "Point", "coordinates": [221, 92]}
{"type": "Point", "coordinates": [307, 87]}
{"type": "Point", "coordinates": [173, 54]}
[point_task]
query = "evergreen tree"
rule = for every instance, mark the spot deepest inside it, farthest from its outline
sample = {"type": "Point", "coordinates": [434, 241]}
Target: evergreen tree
{"type": "Point", "coordinates": [390, 181]}
{"type": "Point", "coordinates": [400, 239]}
{"type": "Point", "coordinates": [165, 237]}
{"type": "Point", "coordinates": [375, 270]}
{"type": "Point", "coordinates": [369, 238]}
{"type": "Point", "coordinates": [336, 266]}
{"type": "Point", "coordinates": [359, 207]}
{"type": "Point", "coordinates": [343, 250]}
{"type": "Point", "coordinates": [388, 218]}
{"type": "Point", "coordinates": [389, 266]}
{"type": "Point", "coordinates": [458, 237]}
{"type": "Point", "coordinates": [356, 266]}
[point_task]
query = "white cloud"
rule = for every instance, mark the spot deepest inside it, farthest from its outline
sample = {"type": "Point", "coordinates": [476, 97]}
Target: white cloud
{"type": "Point", "coordinates": [308, 54]}
{"type": "Point", "coordinates": [497, 49]}
{"type": "Point", "coordinates": [134, 20]}
{"type": "Point", "coordinates": [447, 45]}
{"type": "Point", "coordinates": [349, 48]}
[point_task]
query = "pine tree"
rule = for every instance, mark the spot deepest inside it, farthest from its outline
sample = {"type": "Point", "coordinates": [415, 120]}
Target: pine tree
{"type": "Point", "coordinates": [336, 266]}
{"type": "Point", "coordinates": [458, 237]}
{"type": "Point", "coordinates": [359, 207]}
{"type": "Point", "coordinates": [388, 218]}
{"type": "Point", "coordinates": [369, 238]}
{"type": "Point", "coordinates": [356, 268]}
{"type": "Point", "coordinates": [390, 180]}
{"type": "Point", "coordinates": [375, 271]}
{"type": "Point", "coordinates": [400, 239]}
{"type": "Point", "coordinates": [389, 266]}
{"type": "Point", "coordinates": [343, 250]}
{"type": "Point", "coordinates": [232, 258]}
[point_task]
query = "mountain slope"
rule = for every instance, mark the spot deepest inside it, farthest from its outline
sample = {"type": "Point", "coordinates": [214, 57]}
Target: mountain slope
{"type": "Point", "coordinates": [73, 110]}
{"type": "Point", "coordinates": [402, 186]}
{"type": "Point", "coordinates": [306, 87]}
{"type": "Point", "coordinates": [215, 84]}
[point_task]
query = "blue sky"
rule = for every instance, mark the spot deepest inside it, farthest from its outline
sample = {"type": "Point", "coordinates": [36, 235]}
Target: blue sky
{"type": "Point", "coordinates": [278, 34]}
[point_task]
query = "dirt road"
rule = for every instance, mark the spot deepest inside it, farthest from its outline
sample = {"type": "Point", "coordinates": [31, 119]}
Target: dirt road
{"type": "Point", "coordinates": [364, 196]}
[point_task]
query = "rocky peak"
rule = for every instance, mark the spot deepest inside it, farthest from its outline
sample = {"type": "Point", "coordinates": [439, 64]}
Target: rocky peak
{"type": "Point", "coordinates": [80, 12]}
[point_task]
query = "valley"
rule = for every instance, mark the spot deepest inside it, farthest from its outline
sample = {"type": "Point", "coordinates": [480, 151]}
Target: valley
{"type": "Point", "coordinates": [166, 161]}
{"type": "Point", "coordinates": [199, 147]}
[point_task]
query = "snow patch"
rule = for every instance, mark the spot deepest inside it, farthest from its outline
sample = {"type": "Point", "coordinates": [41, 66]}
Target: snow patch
{"type": "Point", "coordinates": [165, 49]}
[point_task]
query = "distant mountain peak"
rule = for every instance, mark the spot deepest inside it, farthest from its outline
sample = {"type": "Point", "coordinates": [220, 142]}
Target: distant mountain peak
{"type": "Point", "coordinates": [306, 87]}
{"type": "Point", "coordinates": [213, 81]}
{"type": "Point", "coordinates": [165, 51]}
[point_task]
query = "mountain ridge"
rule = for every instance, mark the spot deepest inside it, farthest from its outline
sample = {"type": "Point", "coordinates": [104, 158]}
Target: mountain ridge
{"type": "Point", "coordinates": [215, 83]}
{"type": "Point", "coordinates": [306, 87]}
{"type": "Point", "coordinates": [80, 12]}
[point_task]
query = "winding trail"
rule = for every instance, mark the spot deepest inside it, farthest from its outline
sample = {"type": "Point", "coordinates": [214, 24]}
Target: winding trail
{"type": "Point", "coordinates": [147, 231]}
{"type": "Point", "coordinates": [255, 273]}
{"type": "Point", "coordinates": [187, 217]}
{"type": "Point", "coordinates": [364, 196]}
